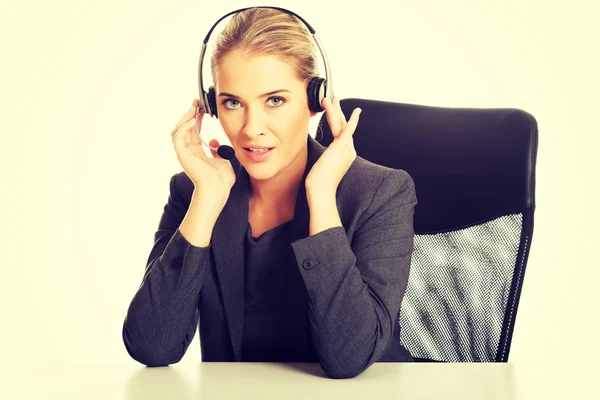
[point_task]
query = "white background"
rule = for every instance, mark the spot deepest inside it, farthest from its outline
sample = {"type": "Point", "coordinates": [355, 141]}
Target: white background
{"type": "Point", "coordinates": [91, 91]}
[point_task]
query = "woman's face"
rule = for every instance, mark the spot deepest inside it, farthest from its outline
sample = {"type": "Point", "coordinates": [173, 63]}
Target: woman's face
{"type": "Point", "coordinates": [261, 102]}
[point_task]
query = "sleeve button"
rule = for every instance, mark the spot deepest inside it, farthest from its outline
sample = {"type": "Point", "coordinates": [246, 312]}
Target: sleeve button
{"type": "Point", "coordinates": [309, 264]}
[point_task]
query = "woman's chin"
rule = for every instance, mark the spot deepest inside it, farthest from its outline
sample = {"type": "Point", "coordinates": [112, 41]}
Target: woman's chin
{"type": "Point", "coordinates": [259, 173]}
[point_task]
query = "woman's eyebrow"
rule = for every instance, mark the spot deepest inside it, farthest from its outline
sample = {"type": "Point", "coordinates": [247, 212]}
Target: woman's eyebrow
{"type": "Point", "coordinates": [262, 95]}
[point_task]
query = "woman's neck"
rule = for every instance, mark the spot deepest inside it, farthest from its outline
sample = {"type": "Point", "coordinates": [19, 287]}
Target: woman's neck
{"type": "Point", "coordinates": [267, 196]}
{"type": "Point", "coordinates": [280, 190]}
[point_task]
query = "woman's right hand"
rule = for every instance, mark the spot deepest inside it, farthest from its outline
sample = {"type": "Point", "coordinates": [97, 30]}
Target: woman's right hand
{"type": "Point", "coordinates": [207, 174]}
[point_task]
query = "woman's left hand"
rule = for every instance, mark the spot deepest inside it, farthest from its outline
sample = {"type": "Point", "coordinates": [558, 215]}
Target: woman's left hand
{"type": "Point", "coordinates": [326, 174]}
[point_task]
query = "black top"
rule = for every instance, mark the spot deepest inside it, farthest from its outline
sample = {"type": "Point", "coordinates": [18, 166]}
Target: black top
{"type": "Point", "coordinates": [276, 325]}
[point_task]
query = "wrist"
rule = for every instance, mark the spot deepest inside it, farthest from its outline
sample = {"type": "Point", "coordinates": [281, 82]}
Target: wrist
{"type": "Point", "coordinates": [209, 201]}
{"type": "Point", "coordinates": [315, 193]}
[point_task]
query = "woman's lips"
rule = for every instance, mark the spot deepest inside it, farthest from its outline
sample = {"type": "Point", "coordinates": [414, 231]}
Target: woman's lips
{"type": "Point", "coordinates": [258, 157]}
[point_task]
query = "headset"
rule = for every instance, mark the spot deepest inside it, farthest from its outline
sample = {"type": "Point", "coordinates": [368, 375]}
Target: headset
{"type": "Point", "coordinates": [318, 88]}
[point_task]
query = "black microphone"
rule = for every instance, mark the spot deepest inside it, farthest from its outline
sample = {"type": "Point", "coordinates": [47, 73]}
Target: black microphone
{"type": "Point", "coordinates": [224, 151]}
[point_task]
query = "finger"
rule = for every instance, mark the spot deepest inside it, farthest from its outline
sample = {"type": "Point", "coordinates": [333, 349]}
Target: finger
{"type": "Point", "coordinates": [191, 133]}
{"type": "Point", "coordinates": [338, 120]}
{"type": "Point", "coordinates": [180, 134]}
{"type": "Point", "coordinates": [186, 119]}
{"type": "Point", "coordinates": [352, 123]}
{"type": "Point", "coordinates": [332, 119]}
{"type": "Point", "coordinates": [214, 143]}
{"type": "Point", "coordinates": [195, 134]}
{"type": "Point", "coordinates": [340, 114]}
{"type": "Point", "coordinates": [189, 114]}
{"type": "Point", "coordinates": [179, 139]}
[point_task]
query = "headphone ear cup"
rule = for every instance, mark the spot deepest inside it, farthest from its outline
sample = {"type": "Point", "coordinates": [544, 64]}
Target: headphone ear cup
{"type": "Point", "coordinates": [316, 94]}
{"type": "Point", "coordinates": [212, 101]}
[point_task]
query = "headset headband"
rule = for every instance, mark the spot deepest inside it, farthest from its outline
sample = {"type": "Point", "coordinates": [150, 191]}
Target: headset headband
{"type": "Point", "coordinates": [328, 79]}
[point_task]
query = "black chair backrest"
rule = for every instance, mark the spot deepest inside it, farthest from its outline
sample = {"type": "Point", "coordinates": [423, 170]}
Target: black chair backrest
{"type": "Point", "coordinates": [474, 174]}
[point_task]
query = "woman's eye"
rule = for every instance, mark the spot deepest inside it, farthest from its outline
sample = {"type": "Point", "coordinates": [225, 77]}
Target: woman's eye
{"type": "Point", "coordinates": [276, 101]}
{"type": "Point", "coordinates": [231, 103]}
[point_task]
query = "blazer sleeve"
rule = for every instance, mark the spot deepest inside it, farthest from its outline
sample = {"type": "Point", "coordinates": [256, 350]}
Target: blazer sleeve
{"type": "Point", "coordinates": [162, 318]}
{"type": "Point", "coordinates": [355, 289]}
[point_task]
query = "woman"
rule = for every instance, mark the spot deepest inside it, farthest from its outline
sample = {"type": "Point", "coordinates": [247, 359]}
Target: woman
{"type": "Point", "coordinates": [301, 254]}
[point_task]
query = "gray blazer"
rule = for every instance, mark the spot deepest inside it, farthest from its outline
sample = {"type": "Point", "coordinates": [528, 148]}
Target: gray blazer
{"type": "Point", "coordinates": [355, 275]}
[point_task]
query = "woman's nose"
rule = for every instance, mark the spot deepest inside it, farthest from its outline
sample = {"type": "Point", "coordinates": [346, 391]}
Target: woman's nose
{"type": "Point", "coordinates": [253, 122]}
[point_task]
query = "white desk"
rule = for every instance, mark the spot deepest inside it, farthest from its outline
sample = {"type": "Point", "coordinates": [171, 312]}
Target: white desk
{"type": "Point", "coordinates": [134, 381]}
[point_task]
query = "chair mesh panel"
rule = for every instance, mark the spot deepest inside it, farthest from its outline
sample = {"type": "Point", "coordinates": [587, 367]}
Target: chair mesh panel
{"type": "Point", "coordinates": [457, 292]}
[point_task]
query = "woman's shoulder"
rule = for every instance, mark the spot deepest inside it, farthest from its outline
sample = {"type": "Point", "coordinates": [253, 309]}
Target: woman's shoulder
{"type": "Point", "coordinates": [366, 177]}
{"type": "Point", "coordinates": [369, 188]}
{"type": "Point", "coordinates": [181, 186]}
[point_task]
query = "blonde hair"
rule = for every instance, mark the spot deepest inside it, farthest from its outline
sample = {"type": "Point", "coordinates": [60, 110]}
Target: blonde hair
{"type": "Point", "coordinates": [266, 31]}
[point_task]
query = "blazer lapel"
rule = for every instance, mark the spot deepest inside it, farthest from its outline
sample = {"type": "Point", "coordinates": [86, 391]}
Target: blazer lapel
{"type": "Point", "coordinates": [229, 234]}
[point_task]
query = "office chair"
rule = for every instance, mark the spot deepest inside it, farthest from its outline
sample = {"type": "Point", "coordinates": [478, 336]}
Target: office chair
{"type": "Point", "coordinates": [474, 174]}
